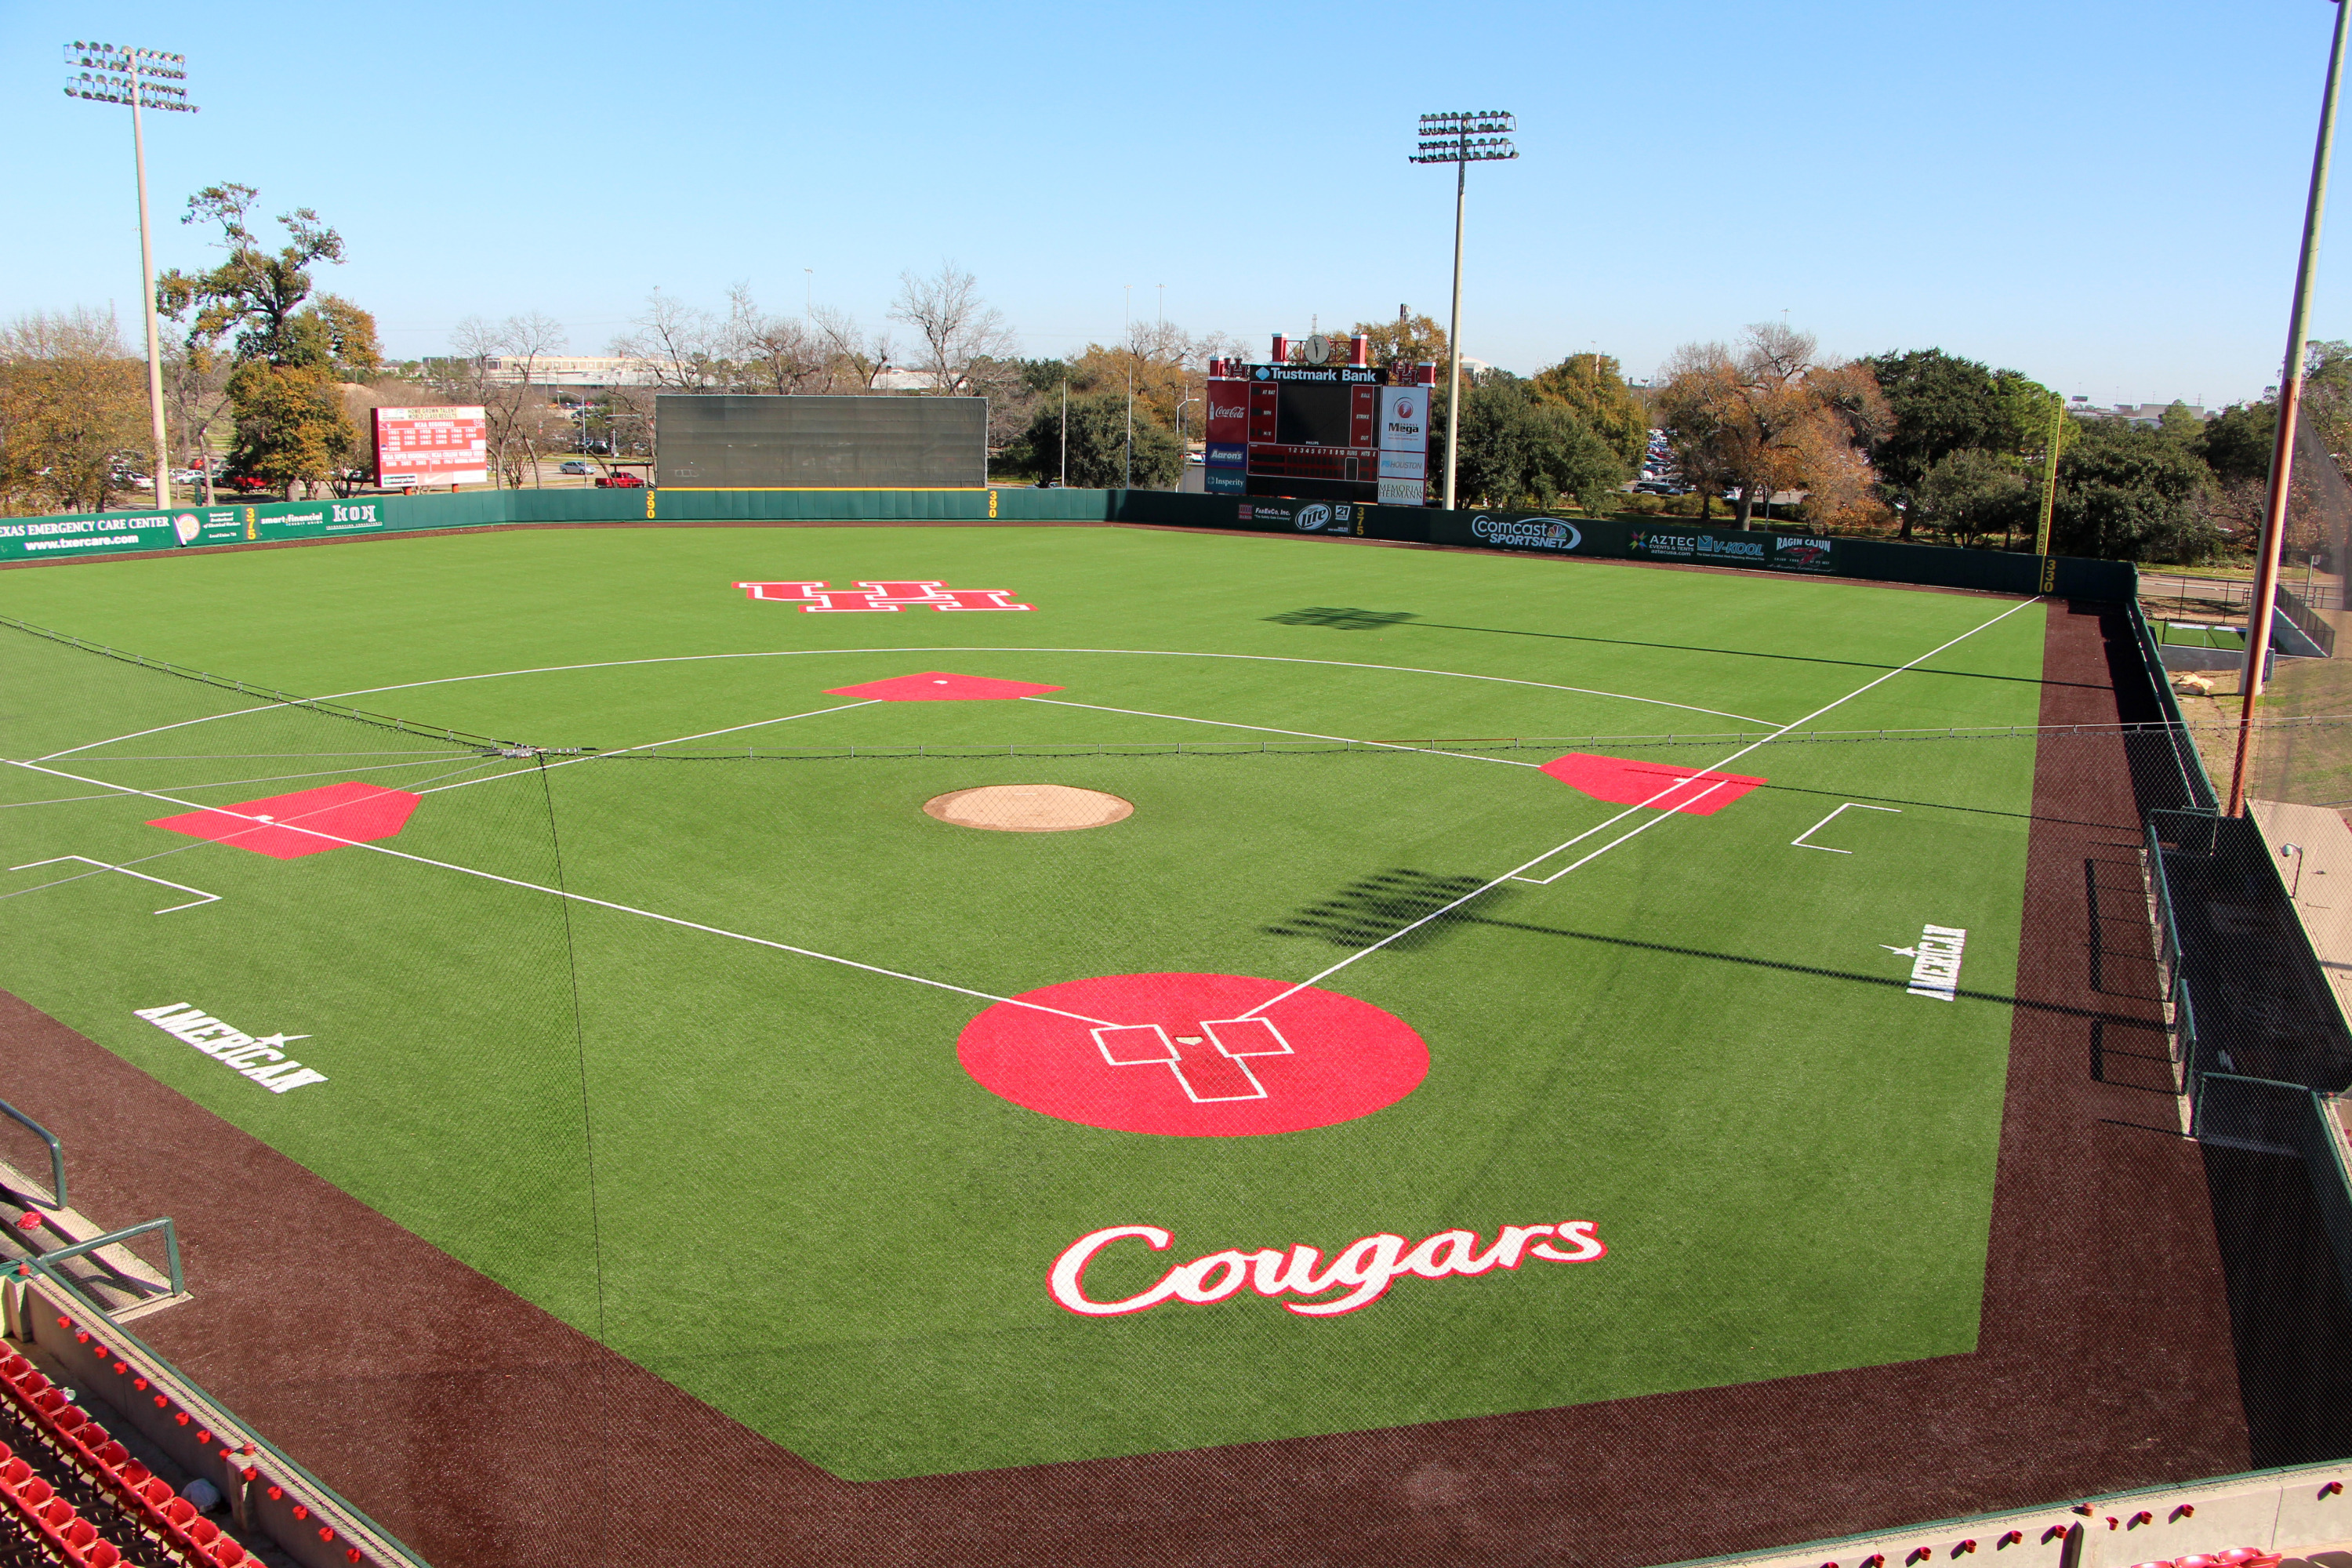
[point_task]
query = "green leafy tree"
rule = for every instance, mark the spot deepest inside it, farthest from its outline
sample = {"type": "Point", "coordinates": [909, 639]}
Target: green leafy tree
{"type": "Point", "coordinates": [1970, 493]}
{"type": "Point", "coordinates": [1941, 404]}
{"type": "Point", "coordinates": [1097, 443]}
{"type": "Point", "coordinates": [2181, 425]}
{"type": "Point", "coordinates": [1409, 340]}
{"type": "Point", "coordinates": [289, 352]}
{"type": "Point", "coordinates": [1592, 386]}
{"type": "Point", "coordinates": [2130, 494]}
{"type": "Point", "coordinates": [1520, 449]}
{"type": "Point", "coordinates": [2236, 443]}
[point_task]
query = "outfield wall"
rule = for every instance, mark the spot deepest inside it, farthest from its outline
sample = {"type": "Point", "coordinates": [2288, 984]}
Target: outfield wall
{"type": "Point", "coordinates": [1677, 541]}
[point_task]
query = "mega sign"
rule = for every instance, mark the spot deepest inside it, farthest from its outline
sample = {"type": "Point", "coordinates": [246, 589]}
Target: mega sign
{"type": "Point", "coordinates": [415, 448]}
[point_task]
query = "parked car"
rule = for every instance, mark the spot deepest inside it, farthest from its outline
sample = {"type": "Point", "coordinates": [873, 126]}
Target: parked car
{"type": "Point", "coordinates": [573, 468]}
{"type": "Point", "coordinates": [1659, 488]}
{"type": "Point", "coordinates": [620, 481]}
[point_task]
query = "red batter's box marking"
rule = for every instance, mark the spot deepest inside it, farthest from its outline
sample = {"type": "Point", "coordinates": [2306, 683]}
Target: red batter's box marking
{"type": "Point", "coordinates": [1624, 782]}
{"type": "Point", "coordinates": [360, 812]}
{"type": "Point", "coordinates": [938, 686]}
{"type": "Point", "coordinates": [1176, 1055]}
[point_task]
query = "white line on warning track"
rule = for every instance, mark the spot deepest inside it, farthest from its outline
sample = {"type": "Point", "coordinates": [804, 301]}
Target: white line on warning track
{"type": "Point", "coordinates": [560, 893]}
{"type": "Point", "coordinates": [1270, 730]}
{"type": "Point", "coordinates": [1662, 815]}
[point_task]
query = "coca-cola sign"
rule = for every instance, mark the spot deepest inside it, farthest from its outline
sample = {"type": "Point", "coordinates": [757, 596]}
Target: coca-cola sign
{"type": "Point", "coordinates": [1360, 1275]}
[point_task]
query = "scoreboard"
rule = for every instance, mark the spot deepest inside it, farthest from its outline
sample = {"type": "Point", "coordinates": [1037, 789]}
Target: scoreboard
{"type": "Point", "coordinates": [416, 449]}
{"type": "Point", "coordinates": [1316, 430]}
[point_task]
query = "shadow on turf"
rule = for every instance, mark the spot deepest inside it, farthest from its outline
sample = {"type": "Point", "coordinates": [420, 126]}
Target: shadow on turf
{"type": "Point", "coordinates": [1347, 619]}
{"type": "Point", "coordinates": [1377, 906]}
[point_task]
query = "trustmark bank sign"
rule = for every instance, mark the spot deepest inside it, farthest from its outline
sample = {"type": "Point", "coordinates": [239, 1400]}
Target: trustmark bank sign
{"type": "Point", "coordinates": [1324, 425]}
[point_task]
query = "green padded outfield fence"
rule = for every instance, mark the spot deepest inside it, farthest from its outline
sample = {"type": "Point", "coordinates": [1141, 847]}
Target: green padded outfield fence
{"type": "Point", "coordinates": [82, 535]}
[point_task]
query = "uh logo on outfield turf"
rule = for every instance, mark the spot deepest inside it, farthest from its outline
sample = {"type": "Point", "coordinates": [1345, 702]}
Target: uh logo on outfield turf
{"type": "Point", "coordinates": [866, 598]}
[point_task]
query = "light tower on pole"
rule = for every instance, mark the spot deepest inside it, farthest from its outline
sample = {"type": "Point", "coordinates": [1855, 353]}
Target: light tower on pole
{"type": "Point", "coordinates": [1460, 138]}
{"type": "Point", "coordinates": [110, 73]}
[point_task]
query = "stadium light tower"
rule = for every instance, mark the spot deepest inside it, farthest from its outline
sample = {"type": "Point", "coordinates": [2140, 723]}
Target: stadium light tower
{"type": "Point", "coordinates": [116, 73]}
{"type": "Point", "coordinates": [2290, 400]}
{"type": "Point", "coordinates": [1460, 138]}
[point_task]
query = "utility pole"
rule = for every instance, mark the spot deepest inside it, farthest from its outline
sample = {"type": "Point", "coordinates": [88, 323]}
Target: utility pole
{"type": "Point", "coordinates": [1448, 138]}
{"type": "Point", "coordinates": [110, 73]}
{"type": "Point", "coordinates": [2258, 628]}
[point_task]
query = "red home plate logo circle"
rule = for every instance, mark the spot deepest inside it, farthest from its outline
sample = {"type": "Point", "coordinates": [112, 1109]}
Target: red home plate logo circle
{"type": "Point", "coordinates": [1188, 1056]}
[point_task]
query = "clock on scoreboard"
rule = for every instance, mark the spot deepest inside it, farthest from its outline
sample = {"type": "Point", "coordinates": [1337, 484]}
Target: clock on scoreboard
{"type": "Point", "coordinates": [1324, 425]}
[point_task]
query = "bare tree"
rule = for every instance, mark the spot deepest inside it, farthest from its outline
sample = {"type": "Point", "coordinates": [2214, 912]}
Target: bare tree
{"type": "Point", "coordinates": [72, 411]}
{"type": "Point", "coordinates": [680, 347]}
{"type": "Point", "coordinates": [772, 353]}
{"type": "Point", "coordinates": [495, 366]}
{"type": "Point", "coordinates": [967, 348]}
{"type": "Point", "coordinates": [851, 355]}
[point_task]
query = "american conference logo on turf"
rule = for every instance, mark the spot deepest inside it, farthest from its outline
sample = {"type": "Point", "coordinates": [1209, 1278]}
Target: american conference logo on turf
{"type": "Point", "coordinates": [256, 1057]}
{"type": "Point", "coordinates": [1934, 960]}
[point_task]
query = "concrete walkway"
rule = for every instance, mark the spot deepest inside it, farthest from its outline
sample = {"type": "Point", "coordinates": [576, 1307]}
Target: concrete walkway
{"type": "Point", "coordinates": [2320, 875]}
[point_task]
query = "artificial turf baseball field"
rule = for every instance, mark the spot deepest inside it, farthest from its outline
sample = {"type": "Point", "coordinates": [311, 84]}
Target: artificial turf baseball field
{"type": "Point", "coordinates": [667, 1042]}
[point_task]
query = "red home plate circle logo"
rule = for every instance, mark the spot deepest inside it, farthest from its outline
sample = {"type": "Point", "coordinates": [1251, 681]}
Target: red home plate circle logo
{"type": "Point", "coordinates": [1187, 1057]}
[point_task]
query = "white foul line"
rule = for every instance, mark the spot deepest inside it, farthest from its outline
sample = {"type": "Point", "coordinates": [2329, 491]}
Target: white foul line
{"type": "Point", "coordinates": [1270, 730]}
{"type": "Point", "coordinates": [1629, 811]}
{"type": "Point", "coordinates": [558, 892]}
{"type": "Point", "coordinates": [681, 740]}
{"type": "Point", "coordinates": [1798, 841]}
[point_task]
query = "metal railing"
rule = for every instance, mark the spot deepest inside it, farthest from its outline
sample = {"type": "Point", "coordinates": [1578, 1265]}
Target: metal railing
{"type": "Point", "coordinates": [112, 1237]}
{"type": "Point", "coordinates": [192, 1395]}
{"type": "Point", "coordinates": [57, 1151]}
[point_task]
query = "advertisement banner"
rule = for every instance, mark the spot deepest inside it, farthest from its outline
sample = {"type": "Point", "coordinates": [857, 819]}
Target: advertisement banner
{"type": "Point", "coordinates": [1227, 455]}
{"type": "Point", "coordinates": [1404, 465]}
{"type": "Point", "coordinates": [426, 447]}
{"type": "Point", "coordinates": [1803, 553]}
{"type": "Point", "coordinates": [1301, 516]}
{"type": "Point", "coordinates": [1228, 420]}
{"type": "Point", "coordinates": [1224, 482]}
{"type": "Point", "coordinates": [63, 538]}
{"type": "Point", "coordinates": [1526, 533]}
{"type": "Point", "coordinates": [1403, 492]}
{"type": "Point", "coordinates": [1745, 549]}
{"type": "Point", "coordinates": [1404, 420]}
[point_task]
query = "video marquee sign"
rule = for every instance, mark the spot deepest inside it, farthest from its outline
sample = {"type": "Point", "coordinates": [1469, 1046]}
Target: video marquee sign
{"type": "Point", "coordinates": [1355, 433]}
{"type": "Point", "coordinates": [416, 449]}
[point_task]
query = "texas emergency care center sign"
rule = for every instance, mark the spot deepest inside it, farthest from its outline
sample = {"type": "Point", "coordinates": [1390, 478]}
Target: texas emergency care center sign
{"type": "Point", "coordinates": [421, 448]}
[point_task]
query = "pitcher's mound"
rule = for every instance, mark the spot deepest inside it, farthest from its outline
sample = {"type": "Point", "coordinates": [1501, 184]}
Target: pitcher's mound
{"type": "Point", "coordinates": [1028, 808]}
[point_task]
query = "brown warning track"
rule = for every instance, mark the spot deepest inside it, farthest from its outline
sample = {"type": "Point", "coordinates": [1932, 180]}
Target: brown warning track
{"type": "Point", "coordinates": [486, 1433]}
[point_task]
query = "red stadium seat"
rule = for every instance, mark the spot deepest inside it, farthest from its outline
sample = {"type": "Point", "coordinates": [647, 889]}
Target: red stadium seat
{"type": "Point", "coordinates": [13, 1366]}
{"type": "Point", "coordinates": [113, 1456]}
{"type": "Point", "coordinates": [202, 1530]}
{"type": "Point", "coordinates": [79, 1535]}
{"type": "Point", "coordinates": [101, 1555]}
{"type": "Point", "coordinates": [57, 1513]}
{"type": "Point", "coordinates": [134, 1474]}
{"type": "Point", "coordinates": [179, 1510]}
{"type": "Point", "coordinates": [157, 1491]}
{"type": "Point", "coordinates": [13, 1472]}
{"type": "Point", "coordinates": [227, 1552]}
{"type": "Point", "coordinates": [36, 1491]}
{"type": "Point", "coordinates": [28, 1380]}
{"type": "Point", "coordinates": [69, 1417]}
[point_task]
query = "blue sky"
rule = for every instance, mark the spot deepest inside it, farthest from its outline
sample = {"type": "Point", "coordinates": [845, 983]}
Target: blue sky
{"type": "Point", "coordinates": [2107, 195]}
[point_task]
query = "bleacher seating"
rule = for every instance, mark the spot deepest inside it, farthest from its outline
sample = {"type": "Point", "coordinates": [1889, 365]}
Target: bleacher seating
{"type": "Point", "coordinates": [144, 1497]}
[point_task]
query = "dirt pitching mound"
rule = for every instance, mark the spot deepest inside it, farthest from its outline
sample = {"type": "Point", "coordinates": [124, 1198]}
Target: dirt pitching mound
{"type": "Point", "coordinates": [1028, 808]}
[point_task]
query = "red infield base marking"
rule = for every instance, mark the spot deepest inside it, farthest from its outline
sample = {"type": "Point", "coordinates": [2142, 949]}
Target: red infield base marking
{"type": "Point", "coordinates": [359, 812]}
{"type": "Point", "coordinates": [1624, 782]}
{"type": "Point", "coordinates": [1176, 1056]}
{"type": "Point", "coordinates": [938, 686]}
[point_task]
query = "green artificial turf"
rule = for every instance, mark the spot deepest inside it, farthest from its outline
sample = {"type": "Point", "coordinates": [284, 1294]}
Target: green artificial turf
{"type": "Point", "coordinates": [806, 1214]}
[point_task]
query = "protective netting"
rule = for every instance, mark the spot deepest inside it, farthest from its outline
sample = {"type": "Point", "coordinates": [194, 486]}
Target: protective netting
{"type": "Point", "coordinates": [784, 1073]}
